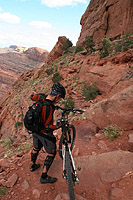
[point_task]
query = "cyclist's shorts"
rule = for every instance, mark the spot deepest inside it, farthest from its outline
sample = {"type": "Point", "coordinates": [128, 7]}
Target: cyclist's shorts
{"type": "Point", "coordinates": [49, 143]}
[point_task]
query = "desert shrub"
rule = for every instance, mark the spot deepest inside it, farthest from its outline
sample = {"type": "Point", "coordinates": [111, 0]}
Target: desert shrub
{"type": "Point", "coordinates": [69, 102]}
{"type": "Point", "coordinates": [109, 48]}
{"type": "Point", "coordinates": [124, 44]}
{"type": "Point", "coordinates": [112, 132]}
{"type": "Point", "coordinates": [89, 91]}
{"type": "Point", "coordinates": [106, 47]}
{"type": "Point", "coordinates": [49, 70]}
{"type": "Point", "coordinates": [17, 124]}
{"type": "Point", "coordinates": [56, 77]}
{"type": "Point", "coordinates": [118, 47]}
{"type": "Point", "coordinates": [67, 44]}
{"type": "Point", "coordinates": [23, 146]}
{"type": "Point", "coordinates": [3, 190]}
{"type": "Point", "coordinates": [7, 143]}
{"type": "Point", "coordinates": [78, 49]}
{"type": "Point", "coordinates": [89, 44]}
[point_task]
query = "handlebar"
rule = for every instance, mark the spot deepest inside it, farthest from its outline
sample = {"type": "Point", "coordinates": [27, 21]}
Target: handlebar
{"type": "Point", "coordinates": [74, 110]}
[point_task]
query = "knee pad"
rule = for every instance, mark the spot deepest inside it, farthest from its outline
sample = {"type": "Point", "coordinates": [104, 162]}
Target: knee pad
{"type": "Point", "coordinates": [34, 155]}
{"type": "Point", "coordinates": [48, 161]}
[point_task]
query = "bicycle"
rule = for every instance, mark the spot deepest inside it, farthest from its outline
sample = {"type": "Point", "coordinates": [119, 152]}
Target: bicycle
{"type": "Point", "coordinates": [66, 145]}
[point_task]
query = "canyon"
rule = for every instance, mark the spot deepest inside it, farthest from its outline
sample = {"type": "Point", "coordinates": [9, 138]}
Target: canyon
{"type": "Point", "coordinates": [14, 61]}
{"type": "Point", "coordinates": [106, 165]}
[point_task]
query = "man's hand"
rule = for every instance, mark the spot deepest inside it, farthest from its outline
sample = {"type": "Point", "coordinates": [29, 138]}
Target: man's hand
{"type": "Point", "coordinates": [58, 125]}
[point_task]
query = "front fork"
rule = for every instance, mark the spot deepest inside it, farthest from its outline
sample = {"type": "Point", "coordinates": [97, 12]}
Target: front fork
{"type": "Point", "coordinates": [75, 176]}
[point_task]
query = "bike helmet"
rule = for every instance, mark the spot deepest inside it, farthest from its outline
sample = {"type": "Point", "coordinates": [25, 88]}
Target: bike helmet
{"type": "Point", "coordinates": [57, 88]}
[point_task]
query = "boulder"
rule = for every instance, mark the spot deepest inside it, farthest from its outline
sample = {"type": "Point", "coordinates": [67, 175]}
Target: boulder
{"type": "Point", "coordinates": [116, 110]}
{"type": "Point", "coordinates": [57, 51]}
{"type": "Point", "coordinates": [12, 180]}
{"type": "Point", "coordinates": [25, 185]}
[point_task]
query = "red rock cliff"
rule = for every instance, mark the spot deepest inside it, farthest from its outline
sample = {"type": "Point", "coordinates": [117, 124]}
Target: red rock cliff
{"type": "Point", "coordinates": [57, 51]}
{"type": "Point", "coordinates": [106, 17]}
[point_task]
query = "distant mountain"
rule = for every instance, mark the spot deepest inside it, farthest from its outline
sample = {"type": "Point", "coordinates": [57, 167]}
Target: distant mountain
{"type": "Point", "coordinates": [15, 59]}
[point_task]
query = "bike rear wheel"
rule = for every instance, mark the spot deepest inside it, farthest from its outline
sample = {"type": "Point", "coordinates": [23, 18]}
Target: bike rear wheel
{"type": "Point", "coordinates": [69, 176]}
{"type": "Point", "coordinates": [70, 132]}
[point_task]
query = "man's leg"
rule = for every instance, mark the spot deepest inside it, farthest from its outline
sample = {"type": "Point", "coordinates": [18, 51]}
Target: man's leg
{"type": "Point", "coordinates": [34, 155]}
{"type": "Point", "coordinates": [50, 147]}
{"type": "Point", "coordinates": [37, 147]}
{"type": "Point", "coordinates": [47, 164]}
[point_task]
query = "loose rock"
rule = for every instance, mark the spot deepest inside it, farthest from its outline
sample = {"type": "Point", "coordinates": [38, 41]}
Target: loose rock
{"type": "Point", "coordinates": [12, 180]}
{"type": "Point", "coordinates": [36, 193]}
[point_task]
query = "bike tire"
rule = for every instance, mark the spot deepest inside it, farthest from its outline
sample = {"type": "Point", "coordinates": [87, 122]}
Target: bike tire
{"type": "Point", "coordinates": [73, 136]}
{"type": "Point", "coordinates": [69, 176]}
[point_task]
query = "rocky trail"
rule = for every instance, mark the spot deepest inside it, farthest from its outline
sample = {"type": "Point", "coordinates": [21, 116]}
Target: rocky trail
{"type": "Point", "coordinates": [106, 170]}
{"type": "Point", "coordinates": [106, 166]}
{"type": "Point", "coordinates": [98, 82]}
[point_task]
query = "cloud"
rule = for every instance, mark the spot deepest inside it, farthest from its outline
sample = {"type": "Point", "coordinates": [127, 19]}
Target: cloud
{"type": "Point", "coordinates": [26, 36]}
{"type": "Point", "coordinates": [55, 3]}
{"type": "Point", "coordinates": [40, 24]}
{"type": "Point", "coordinates": [9, 18]}
{"type": "Point", "coordinates": [0, 9]}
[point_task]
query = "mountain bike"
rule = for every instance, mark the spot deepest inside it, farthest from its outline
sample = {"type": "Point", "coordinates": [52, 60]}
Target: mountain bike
{"type": "Point", "coordinates": [66, 145]}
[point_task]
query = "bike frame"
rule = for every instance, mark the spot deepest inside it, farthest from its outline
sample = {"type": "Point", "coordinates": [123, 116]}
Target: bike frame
{"type": "Point", "coordinates": [67, 148]}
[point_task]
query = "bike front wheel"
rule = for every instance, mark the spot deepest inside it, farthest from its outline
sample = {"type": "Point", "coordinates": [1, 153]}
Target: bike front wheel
{"type": "Point", "coordinates": [69, 176]}
{"type": "Point", "coordinates": [71, 134]}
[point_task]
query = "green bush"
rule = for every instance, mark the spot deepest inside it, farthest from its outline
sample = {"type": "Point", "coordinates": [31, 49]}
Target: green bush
{"type": "Point", "coordinates": [112, 132]}
{"type": "Point", "coordinates": [23, 146]}
{"type": "Point", "coordinates": [69, 102]}
{"type": "Point", "coordinates": [3, 190]}
{"type": "Point", "coordinates": [7, 143]}
{"type": "Point", "coordinates": [67, 44]}
{"type": "Point", "coordinates": [89, 91]}
{"type": "Point", "coordinates": [109, 48]}
{"type": "Point", "coordinates": [106, 47]}
{"type": "Point", "coordinates": [56, 77]}
{"type": "Point", "coordinates": [124, 44]}
{"type": "Point", "coordinates": [118, 47]}
{"type": "Point", "coordinates": [78, 49]}
{"type": "Point", "coordinates": [17, 124]}
{"type": "Point", "coordinates": [49, 70]}
{"type": "Point", "coordinates": [89, 44]}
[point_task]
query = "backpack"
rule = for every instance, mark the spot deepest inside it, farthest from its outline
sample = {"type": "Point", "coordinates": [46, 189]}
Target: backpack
{"type": "Point", "coordinates": [32, 119]}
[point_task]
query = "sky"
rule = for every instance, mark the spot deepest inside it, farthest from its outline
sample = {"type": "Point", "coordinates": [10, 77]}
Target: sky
{"type": "Point", "coordinates": [39, 23]}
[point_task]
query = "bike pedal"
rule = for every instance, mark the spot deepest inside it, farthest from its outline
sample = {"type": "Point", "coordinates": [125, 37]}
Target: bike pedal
{"type": "Point", "coordinates": [79, 168]}
{"type": "Point", "coordinates": [77, 181]}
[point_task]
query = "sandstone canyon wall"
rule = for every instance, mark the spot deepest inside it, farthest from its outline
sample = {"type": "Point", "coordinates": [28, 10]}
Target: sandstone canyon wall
{"type": "Point", "coordinates": [106, 17]}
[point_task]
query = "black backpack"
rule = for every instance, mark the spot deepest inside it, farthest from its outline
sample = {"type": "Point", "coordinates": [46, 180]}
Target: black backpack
{"type": "Point", "coordinates": [32, 119]}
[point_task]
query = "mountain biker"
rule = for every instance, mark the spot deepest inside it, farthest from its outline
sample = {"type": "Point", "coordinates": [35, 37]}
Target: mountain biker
{"type": "Point", "coordinates": [49, 141]}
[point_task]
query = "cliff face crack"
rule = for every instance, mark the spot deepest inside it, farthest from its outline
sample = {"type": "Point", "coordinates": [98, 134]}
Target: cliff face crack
{"type": "Point", "coordinates": [107, 25]}
{"type": "Point", "coordinates": [107, 8]}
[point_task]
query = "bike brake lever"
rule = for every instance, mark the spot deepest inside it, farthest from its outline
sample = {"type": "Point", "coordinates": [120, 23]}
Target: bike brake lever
{"type": "Point", "coordinates": [56, 107]}
{"type": "Point", "coordinates": [78, 111]}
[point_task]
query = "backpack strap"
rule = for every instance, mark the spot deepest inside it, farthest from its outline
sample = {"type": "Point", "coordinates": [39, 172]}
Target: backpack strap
{"type": "Point", "coordinates": [47, 113]}
{"type": "Point", "coordinates": [42, 97]}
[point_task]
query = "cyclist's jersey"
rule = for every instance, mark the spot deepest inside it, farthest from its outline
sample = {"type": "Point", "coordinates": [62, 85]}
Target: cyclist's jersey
{"type": "Point", "coordinates": [47, 114]}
